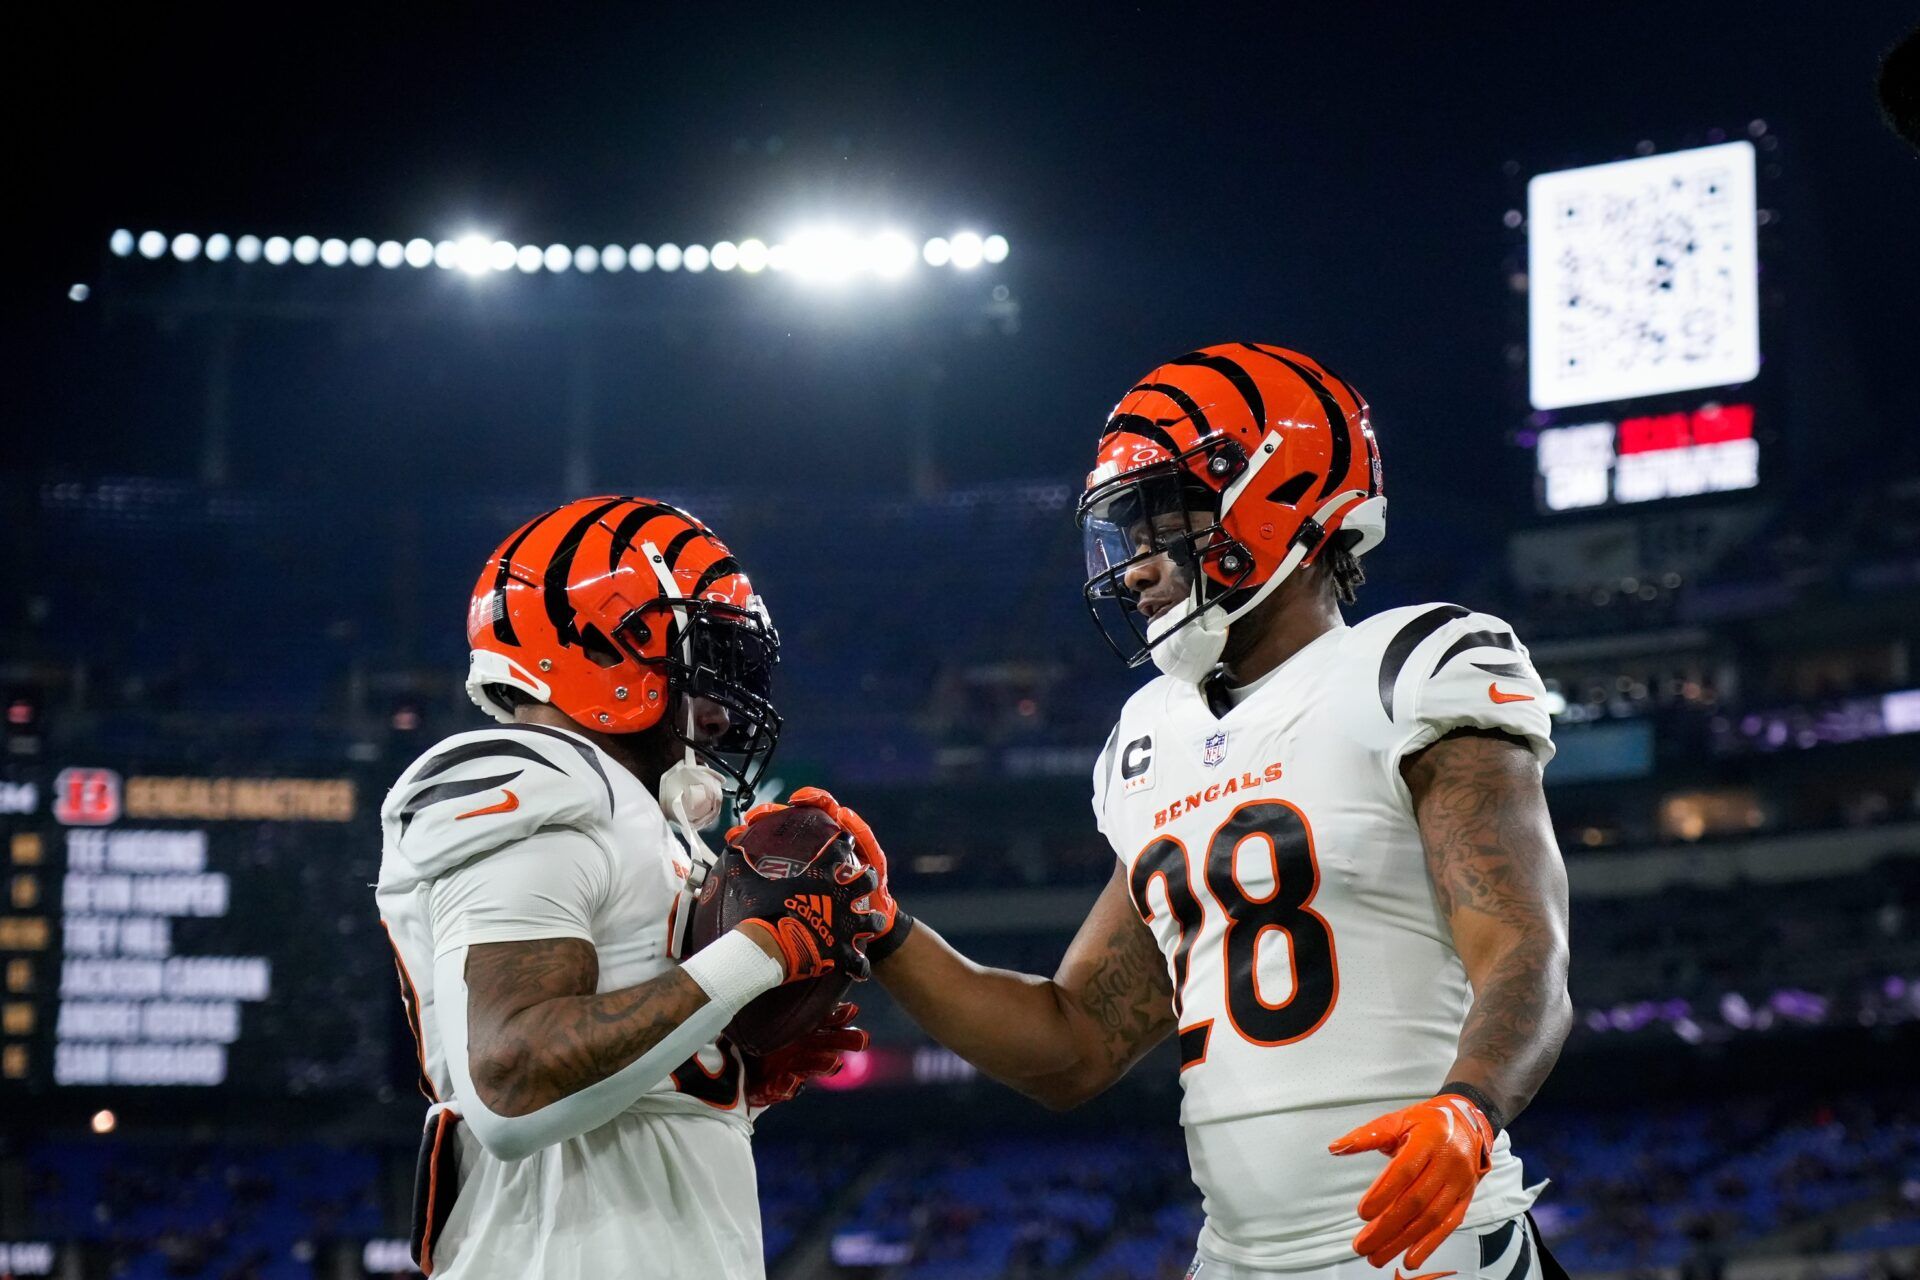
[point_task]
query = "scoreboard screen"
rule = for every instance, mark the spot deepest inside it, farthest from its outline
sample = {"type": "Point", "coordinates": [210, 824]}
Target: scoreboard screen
{"type": "Point", "coordinates": [1643, 329]}
{"type": "Point", "coordinates": [188, 932]}
{"type": "Point", "coordinates": [1643, 277]}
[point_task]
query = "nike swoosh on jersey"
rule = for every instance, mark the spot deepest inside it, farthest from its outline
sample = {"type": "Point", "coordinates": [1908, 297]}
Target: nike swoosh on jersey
{"type": "Point", "coordinates": [1424, 1275]}
{"type": "Point", "coordinates": [1498, 694]}
{"type": "Point", "coordinates": [508, 805]}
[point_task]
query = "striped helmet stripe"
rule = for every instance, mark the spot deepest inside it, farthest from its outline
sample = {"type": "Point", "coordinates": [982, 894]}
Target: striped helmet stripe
{"type": "Point", "coordinates": [502, 624]}
{"type": "Point", "coordinates": [560, 610]}
{"type": "Point", "coordinates": [1336, 418]}
{"type": "Point", "coordinates": [1242, 382]}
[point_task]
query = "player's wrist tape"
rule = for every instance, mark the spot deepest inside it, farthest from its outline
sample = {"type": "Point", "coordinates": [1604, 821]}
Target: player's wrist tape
{"type": "Point", "coordinates": [1479, 1099]}
{"type": "Point", "coordinates": [732, 969]}
{"type": "Point", "coordinates": [880, 948]}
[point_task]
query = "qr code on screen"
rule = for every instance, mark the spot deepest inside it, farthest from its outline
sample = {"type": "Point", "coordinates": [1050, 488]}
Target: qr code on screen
{"type": "Point", "coordinates": [1643, 277]}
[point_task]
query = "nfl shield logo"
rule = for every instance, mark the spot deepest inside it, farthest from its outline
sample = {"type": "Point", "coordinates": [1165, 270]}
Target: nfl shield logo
{"type": "Point", "coordinates": [1216, 750]}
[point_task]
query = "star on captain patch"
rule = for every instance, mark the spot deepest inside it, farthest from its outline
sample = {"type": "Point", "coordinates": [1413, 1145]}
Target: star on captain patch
{"type": "Point", "coordinates": [1216, 749]}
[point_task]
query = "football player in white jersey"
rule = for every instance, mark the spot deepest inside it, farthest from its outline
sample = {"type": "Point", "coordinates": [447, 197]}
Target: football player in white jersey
{"type": "Point", "coordinates": [588, 1120]}
{"type": "Point", "coordinates": [1337, 885]}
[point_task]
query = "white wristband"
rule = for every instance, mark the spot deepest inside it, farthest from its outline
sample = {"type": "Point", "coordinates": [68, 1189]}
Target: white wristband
{"type": "Point", "coordinates": [732, 969]}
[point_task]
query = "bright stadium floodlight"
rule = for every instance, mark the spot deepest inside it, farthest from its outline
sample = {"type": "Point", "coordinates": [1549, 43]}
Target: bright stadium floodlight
{"type": "Point", "coordinates": [828, 253]}
{"type": "Point", "coordinates": [472, 254]}
{"type": "Point", "coordinates": [890, 255]}
{"type": "Point", "coordinates": [823, 254]}
{"type": "Point", "coordinates": [967, 251]}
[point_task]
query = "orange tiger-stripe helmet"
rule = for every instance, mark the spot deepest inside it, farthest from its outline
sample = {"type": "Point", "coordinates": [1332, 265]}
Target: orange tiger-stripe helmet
{"type": "Point", "coordinates": [611, 609]}
{"type": "Point", "coordinates": [1263, 457]}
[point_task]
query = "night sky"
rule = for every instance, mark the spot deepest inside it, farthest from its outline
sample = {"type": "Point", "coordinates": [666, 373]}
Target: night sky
{"type": "Point", "coordinates": [1327, 177]}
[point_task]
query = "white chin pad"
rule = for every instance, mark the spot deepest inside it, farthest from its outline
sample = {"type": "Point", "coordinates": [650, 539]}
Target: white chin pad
{"type": "Point", "coordinates": [693, 793]}
{"type": "Point", "coordinates": [1194, 650]}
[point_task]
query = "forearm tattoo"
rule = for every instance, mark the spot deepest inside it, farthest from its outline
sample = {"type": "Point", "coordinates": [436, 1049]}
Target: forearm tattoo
{"type": "Point", "coordinates": [1128, 995]}
{"type": "Point", "coordinates": [1497, 876]}
{"type": "Point", "coordinates": [538, 1032]}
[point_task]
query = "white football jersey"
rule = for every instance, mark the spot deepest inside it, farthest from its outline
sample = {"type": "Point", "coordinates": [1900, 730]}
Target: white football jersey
{"type": "Point", "coordinates": [1273, 851]}
{"type": "Point", "coordinates": [522, 832]}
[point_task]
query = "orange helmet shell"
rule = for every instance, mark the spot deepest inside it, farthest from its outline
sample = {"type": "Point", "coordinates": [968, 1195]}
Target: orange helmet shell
{"type": "Point", "coordinates": [554, 612]}
{"type": "Point", "coordinates": [1304, 432]}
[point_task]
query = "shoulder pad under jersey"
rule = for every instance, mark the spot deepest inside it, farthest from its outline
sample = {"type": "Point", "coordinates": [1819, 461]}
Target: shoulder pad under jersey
{"type": "Point", "coordinates": [1125, 763]}
{"type": "Point", "coordinates": [1433, 668]}
{"type": "Point", "coordinates": [476, 792]}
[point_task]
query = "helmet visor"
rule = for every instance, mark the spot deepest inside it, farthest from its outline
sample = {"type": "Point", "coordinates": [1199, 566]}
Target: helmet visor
{"type": "Point", "coordinates": [1146, 535]}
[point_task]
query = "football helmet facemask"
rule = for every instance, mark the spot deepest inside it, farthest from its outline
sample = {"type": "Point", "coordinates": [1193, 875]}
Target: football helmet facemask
{"type": "Point", "coordinates": [1239, 463]}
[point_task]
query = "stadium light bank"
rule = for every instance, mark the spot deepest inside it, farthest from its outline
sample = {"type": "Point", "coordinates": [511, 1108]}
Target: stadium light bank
{"type": "Point", "coordinates": [823, 254]}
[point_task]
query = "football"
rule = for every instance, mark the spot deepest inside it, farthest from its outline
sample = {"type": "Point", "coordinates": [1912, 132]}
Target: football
{"type": "Point", "coordinates": [787, 845]}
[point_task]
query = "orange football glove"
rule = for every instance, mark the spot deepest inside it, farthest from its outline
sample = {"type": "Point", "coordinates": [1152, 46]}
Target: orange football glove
{"type": "Point", "coordinates": [778, 1076]}
{"type": "Point", "coordinates": [1438, 1151]}
{"type": "Point", "coordinates": [895, 924]}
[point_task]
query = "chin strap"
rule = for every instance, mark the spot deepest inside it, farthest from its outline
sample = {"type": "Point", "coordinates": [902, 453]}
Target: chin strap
{"type": "Point", "coordinates": [693, 797]}
{"type": "Point", "coordinates": [1189, 650]}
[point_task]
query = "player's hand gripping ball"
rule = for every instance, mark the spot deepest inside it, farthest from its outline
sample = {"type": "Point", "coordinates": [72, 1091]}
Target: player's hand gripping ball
{"type": "Point", "coordinates": [895, 924]}
{"type": "Point", "coordinates": [780, 1075]}
{"type": "Point", "coordinates": [794, 874]}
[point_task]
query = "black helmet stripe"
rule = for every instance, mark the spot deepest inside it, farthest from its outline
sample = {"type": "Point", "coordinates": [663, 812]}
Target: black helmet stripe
{"type": "Point", "coordinates": [1336, 418]}
{"type": "Point", "coordinates": [631, 523]}
{"type": "Point", "coordinates": [1242, 382]}
{"type": "Point", "coordinates": [1134, 424]}
{"type": "Point", "coordinates": [671, 552]}
{"type": "Point", "coordinates": [560, 610]}
{"type": "Point", "coordinates": [1373, 446]}
{"type": "Point", "coordinates": [503, 625]}
{"type": "Point", "coordinates": [1188, 405]}
{"type": "Point", "coordinates": [714, 572]}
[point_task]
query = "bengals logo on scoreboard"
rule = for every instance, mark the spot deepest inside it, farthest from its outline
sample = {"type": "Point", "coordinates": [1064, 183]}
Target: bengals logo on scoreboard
{"type": "Point", "coordinates": [86, 797]}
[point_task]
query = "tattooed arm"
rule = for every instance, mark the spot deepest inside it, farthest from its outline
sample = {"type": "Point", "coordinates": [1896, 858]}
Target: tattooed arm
{"type": "Point", "coordinates": [537, 1032]}
{"type": "Point", "coordinates": [1061, 1040]}
{"type": "Point", "coordinates": [1497, 875]}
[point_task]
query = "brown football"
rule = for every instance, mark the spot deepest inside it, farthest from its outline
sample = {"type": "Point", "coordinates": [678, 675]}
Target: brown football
{"type": "Point", "coordinates": [778, 847]}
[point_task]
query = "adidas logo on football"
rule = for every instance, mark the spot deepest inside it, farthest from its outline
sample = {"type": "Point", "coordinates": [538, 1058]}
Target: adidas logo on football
{"type": "Point", "coordinates": [817, 910]}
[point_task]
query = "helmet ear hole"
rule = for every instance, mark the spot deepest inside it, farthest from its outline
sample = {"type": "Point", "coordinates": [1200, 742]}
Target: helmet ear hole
{"type": "Point", "coordinates": [597, 647]}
